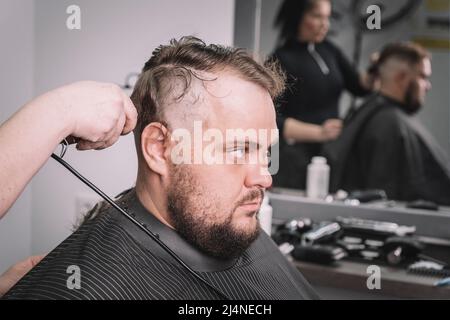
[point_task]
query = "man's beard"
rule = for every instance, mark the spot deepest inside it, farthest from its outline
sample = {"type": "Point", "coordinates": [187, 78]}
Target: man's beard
{"type": "Point", "coordinates": [194, 214]}
{"type": "Point", "coordinates": [412, 102]}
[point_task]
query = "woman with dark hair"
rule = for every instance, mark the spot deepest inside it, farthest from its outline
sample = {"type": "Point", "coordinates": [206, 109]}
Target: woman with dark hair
{"type": "Point", "coordinates": [317, 74]}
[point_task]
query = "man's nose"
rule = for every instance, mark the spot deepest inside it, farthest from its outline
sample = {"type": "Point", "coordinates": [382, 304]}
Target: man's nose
{"type": "Point", "coordinates": [258, 176]}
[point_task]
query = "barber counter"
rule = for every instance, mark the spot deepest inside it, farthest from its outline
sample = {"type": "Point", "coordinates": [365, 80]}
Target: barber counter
{"type": "Point", "coordinates": [353, 278]}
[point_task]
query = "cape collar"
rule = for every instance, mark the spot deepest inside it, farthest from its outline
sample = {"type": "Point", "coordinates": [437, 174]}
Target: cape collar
{"type": "Point", "coordinates": [191, 255]}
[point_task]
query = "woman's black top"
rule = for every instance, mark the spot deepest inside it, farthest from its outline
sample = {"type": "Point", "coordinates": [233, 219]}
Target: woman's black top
{"type": "Point", "coordinates": [316, 78]}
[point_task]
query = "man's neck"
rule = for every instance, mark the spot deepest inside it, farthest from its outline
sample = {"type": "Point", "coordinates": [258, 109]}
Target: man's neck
{"type": "Point", "coordinates": [392, 94]}
{"type": "Point", "coordinates": [152, 201]}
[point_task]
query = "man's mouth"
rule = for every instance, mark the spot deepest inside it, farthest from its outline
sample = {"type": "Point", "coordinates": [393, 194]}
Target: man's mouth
{"type": "Point", "coordinates": [251, 203]}
{"type": "Point", "coordinates": [251, 206]}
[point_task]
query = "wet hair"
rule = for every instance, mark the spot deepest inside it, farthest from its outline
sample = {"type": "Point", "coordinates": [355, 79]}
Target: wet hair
{"type": "Point", "coordinates": [180, 62]}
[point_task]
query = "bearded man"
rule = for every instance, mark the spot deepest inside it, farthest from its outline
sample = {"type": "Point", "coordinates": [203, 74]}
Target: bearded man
{"type": "Point", "coordinates": [204, 211]}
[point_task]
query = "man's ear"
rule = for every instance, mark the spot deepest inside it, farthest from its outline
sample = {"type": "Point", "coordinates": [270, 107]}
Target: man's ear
{"type": "Point", "coordinates": [154, 145]}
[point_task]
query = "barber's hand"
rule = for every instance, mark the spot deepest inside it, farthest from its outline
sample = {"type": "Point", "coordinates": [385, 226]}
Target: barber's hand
{"type": "Point", "coordinates": [98, 113]}
{"type": "Point", "coordinates": [331, 129]}
{"type": "Point", "coordinates": [16, 272]}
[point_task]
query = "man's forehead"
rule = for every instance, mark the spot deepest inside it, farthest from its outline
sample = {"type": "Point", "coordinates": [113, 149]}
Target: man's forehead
{"type": "Point", "coordinates": [237, 103]}
{"type": "Point", "coordinates": [426, 66]}
{"type": "Point", "coordinates": [423, 67]}
{"type": "Point", "coordinates": [246, 128]}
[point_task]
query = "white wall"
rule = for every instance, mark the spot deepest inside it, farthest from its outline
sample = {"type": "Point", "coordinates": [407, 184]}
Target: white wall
{"type": "Point", "coordinates": [16, 87]}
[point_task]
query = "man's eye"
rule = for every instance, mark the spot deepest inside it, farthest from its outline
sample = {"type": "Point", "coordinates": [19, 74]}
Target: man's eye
{"type": "Point", "coordinates": [268, 158]}
{"type": "Point", "coordinates": [237, 152]}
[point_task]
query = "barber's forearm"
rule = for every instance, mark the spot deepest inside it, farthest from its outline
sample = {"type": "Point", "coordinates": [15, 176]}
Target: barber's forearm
{"type": "Point", "coordinates": [301, 131]}
{"type": "Point", "coordinates": [27, 140]}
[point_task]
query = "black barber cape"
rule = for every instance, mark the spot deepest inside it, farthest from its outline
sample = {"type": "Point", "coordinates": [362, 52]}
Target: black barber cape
{"type": "Point", "coordinates": [384, 147]}
{"type": "Point", "coordinates": [117, 260]}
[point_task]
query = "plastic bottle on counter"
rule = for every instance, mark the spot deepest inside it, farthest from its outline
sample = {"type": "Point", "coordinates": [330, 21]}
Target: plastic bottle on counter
{"type": "Point", "coordinates": [265, 216]}
{"type": "Point", "coordinates": [318, 178]}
